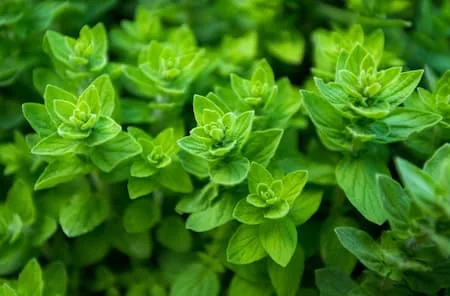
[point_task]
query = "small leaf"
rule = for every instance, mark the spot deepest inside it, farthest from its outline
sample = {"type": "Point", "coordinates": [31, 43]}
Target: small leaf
{"type": "Point", "coordinates": [279, 239]}
{"type": "Point", "coordinates": [231, 171]}
{"type": "Point", "coordinates": [363, 247]}
{"type": "Point", "coordinates": [104, 130]}
{"type": "Point", "coordinates": [261, 145]}
{"type": "Point", "coordinates": [138, 187]}
{"type": "Point", "coordinates": [248, 214]}
{"type": "Point", "coordinates": [141, 215]}
{"type": "Point", "coordinates": [293, 184]}
{"type": "Point", "coordinates": [333, 282]}
{"type": "Point", "coordinates": [245, 246]}
{"type": "Point", "coordinates": [56, 145]}
{"type": "Point", "coordinates": [20, 201]}
{"type": "Point", "coordinates": [37, 116]}
{"type": "Point", "coordinates": [108, 155]}
{"type": "Point", "coordinates": [196, 280]}
{"type": "Point", "coordinates": [30, 281]}
{"type": "Point", "coordinates": [214, 216]}
{"type": "Point", "coordinates": [172, 234]}
{"type": "Point", "coordinates": [305, 206]}
{"type": "Point", "coordinates": [286, 280]}
{"type": "Point", "coordinates": [174, 178]}
{"type": "Point", "coordinates": [82, 214]}
{"type": "Point", "coordinates": [61, 170]}
{"type": "Point", "coordinates": [357, 177]}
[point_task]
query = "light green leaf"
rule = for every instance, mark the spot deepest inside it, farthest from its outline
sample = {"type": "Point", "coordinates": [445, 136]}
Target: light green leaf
{"type": "Point", "coordinates": [37, 116]}
{"type": "Point", "coordinates": [56, 145]}
{"type": "Point", "coordinates": [193, 146]}
{"type": "Point", "coordinates": [286, 280]}
{"type": "Point", "coordinates": [104, 130]}
{"type": "Point", "coordinates": [138, 187]}
{"type": "Point", "coordinates": [61, 170]}
{"type": "Point", "coordinates": [30, 281]}
{"type": "Point", "coordinates": [240, 286]}
{"type": "Point", "coordinates": [357, 177]}
{"type": "Point", "coordinates": [245, 246]}
{"type": "Point", "coordinates": [193, 164]}
{"type": "Point", "coordinates": [108, 155]}
{"type": "Point", "coordinates": [242, 128]}
{"type": "Point", "coordinates": [230, 171]}
{"type": "Point", "coordinates": [202, 103]}
{"type": "Point", "coordinates": [216, 215]}
{"type": "Point", "coordinates": [174, 177]}
{"type": "Point", "coordinates": [172, 234]}
{"type": "Point", "coordinates": [196, 280]}
{"type": "Point", "coordinates": [82, 214]}
{"type": "Point", "coordinates": [262, 145]}
{"type": "Point", "coordinates": [106, 93]}
{"type": "Point", "coordinates": [293, 184]}
{"type": "Point", "coordinates": [258, 174]}
{"type": "Point", "coordinates": [53, 93]}
{"type": "Point", "coordinates": [279, 239]}
{"type": "Point", "coordinates": [6, 290]}
{"type": "Point", "coordinates": [141, 215]}
{"type": "Point", "coordinates": [248, 214]}
{"type": "Point", "coordinates": [398, 92]}
{"type": "Point", "coordinates": [305, 206]}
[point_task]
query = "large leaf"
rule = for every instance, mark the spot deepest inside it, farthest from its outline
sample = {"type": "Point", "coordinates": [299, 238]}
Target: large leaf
{"type": "Point", "coordinates": [279, 239]}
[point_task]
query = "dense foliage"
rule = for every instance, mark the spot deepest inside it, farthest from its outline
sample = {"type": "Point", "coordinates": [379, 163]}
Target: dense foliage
{"type": "Point", "coordinates": [224, 147]}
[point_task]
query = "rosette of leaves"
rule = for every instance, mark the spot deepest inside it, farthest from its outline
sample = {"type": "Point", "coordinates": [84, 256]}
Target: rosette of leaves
{"type": "Point", "coordinates": [226, 142]}
{"type": "Point", "coordinates": [77, 131]}
{"type": "Point", "coordinates": [166, 69]}
{"type": "Point", "coordinates": [76, 61]}
{"type": "Point", "coordinates": [132, 36]}
{"type": "Point", "coordinates": [157, 165]}
{"type": "Point", "coordinates": [270, 213]}
{"type": "Point", "coordinates": [328, 45]}
{"type": "Point", "coordinates": [23, 227]}
{"type": "Point", "coordinates": [274, 102]}
{"type": "Point", "coordinates": [360, 108]}
{"type": "Point", "coordinates": [415, 251]}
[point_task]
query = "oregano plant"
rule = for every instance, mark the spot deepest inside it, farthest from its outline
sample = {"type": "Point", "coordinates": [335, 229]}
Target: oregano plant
{"type": "Point", "coordinates": [208, 148]}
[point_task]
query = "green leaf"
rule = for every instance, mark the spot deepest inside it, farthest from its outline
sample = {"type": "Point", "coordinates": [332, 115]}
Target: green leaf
{"type": "Point", "coordinates": [53, 93]}
{"type": "Point", "coordinates": [174, 177]}
{"type": "Point", "coordinates": [30, 280]}
{"type": "Point", "coordinates": [305, 206]}
{"type": "Point", "coordinates": [333, 282]}
{"type": "Point", "coordinates": [248, 214]}
{"type": "Point", "coordinates": [82, 214]}
{"type": "Point", "coordinates": [135, 245]}
{"type": "Point", "coordinates": [214, 216]}
{"type": "Point", "coordinates": [56, 279]}
{"type": "Point", "coordinates": [20, 201]}
{"type": "Point", "coordinates": [332, 253]}
{"type": "Point", "coordinates": [193, 164]}
{"type": "Point", "coordinates": [106, 93]}
{"type": "Point", "coordinates": [6, 290]}
{"type": "Point", "coordinates": [172, 234]}
{"type": "Point", "coordinates": [258, 174]}
{"type": "Point", "coordinates": [230, 172]}
{"type": "Point", "coordinates": [357, 177]}
{"type": "Point", "coordinates": [242, 128]}
{"type": "Point", "coordinates": [329, 122]}
{"type": "Point", "coordinates": [138, 187]}
{"type": "Point", "coordinates": [193, 146]}
{"type": "Point", "coordinates": [419, 184]}
{"type": "Point", "coordinates": [141, 215]}
{"type": "Point", "coordinates": [262, 145]}
{"type": "Point", "coordinates": [91, 248]}
{"type": "Point", "coordinates": [240, 286]}
{"type": "Point", "coordinates": [395, 202]}
{"type": "Point", "coordinates": [245, 246]}
{"type": "Point", "coordinates": [37, 116]}
{"type": "Point", "coordinates": [108, 155]}
{"type": "Point", "coordinates": [61, 170]}
{"type": "Point", "coordinates": [286, 280]}
{"type": "Point", "coordinates": [104, 130]}
{"type": "Point", "coordinates": [399, 91]}
{"type": "Point", "coordinates": [55, 145]}
{"type": "Point", "coordinates": [404, 122]}
{"type": "Point", "coordinates": [293, 184]}
{"type": "Point", "coordinates": [279, 239]}
{"type": "Point", "coordinates": [196, 280]}
{"type": "Point", "coordinates": [363, 247]}
{"type": "Point", "coordinates": [202, 103]}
